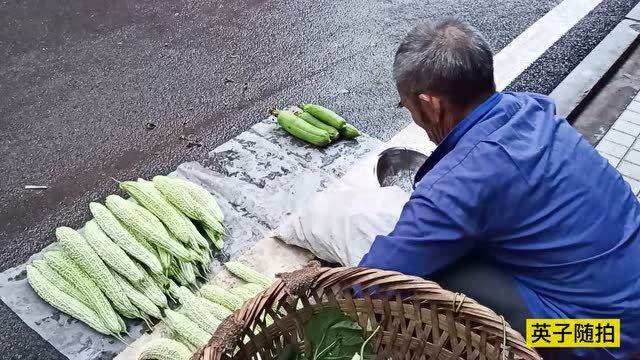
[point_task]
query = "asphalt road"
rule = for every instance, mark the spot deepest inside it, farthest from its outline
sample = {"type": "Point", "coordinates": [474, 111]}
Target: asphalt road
{"type": "Point", "coordinates": [80, 79]}
{"type": "Point", "coordinates": [550, 69]}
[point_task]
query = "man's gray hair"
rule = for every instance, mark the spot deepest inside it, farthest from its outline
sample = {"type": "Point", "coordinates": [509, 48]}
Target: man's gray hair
{"type": "Point", "coordinates": [449, 58]}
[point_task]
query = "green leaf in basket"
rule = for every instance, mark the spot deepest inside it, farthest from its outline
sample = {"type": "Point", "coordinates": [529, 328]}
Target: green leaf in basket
{"type": "Point", "coordinates": [347, 325]}
{"type": "Point", "coordinates": [350, 332]}
{"type": "Point", "coordinates": [315, 330]}
{"type": "Point", "coordinates": [333, 335]}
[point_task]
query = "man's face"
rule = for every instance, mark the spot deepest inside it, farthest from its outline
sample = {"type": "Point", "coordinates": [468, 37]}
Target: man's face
{"type": "Point", "coordinates": [425, 111]}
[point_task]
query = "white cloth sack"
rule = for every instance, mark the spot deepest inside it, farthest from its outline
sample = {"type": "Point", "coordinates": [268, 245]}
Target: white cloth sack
{"type": "Point", "coordinates": [340, 225]}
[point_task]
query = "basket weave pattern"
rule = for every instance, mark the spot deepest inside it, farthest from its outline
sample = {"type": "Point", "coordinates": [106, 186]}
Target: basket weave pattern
{"type": "Point", "coordinates": [413, 318]}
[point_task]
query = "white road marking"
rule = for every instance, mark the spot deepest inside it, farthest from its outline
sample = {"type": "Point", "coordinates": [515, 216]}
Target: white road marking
{"type": "Point", "coordinates": [515, 57]}
{"type": "Point", "coordinates": [533, 42]}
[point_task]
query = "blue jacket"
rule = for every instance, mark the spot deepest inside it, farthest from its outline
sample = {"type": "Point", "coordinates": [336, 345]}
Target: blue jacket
{"type": "Point", "coordinates": [518, 183]}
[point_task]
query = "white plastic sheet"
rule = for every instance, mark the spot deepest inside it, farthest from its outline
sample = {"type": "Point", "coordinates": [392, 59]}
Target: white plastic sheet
{"type": "Point", "coordinates": [259, 177]}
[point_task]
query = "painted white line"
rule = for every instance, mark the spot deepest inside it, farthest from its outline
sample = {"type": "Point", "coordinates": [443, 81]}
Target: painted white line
{"type": "Point", "coordinates": [533, 42]}
{"type": "Point", "coordinates": [515, 57]}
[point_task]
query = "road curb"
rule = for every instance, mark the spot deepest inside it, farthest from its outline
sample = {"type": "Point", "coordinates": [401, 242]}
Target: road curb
{"type": "Point", "coordinates": [588, 77]}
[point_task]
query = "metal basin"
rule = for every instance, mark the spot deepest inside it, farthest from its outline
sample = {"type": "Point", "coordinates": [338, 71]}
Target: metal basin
{"type": "Point", "coordinates": [398, 166]}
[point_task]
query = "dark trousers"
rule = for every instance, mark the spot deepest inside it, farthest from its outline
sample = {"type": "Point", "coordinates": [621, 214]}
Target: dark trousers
{"type": "Point", "coordinates": [489, 286]}
{"type": "Point", "coordinates": [493, 288]}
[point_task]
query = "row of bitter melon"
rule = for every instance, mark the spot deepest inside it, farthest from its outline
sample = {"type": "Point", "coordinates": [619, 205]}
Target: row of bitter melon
{"type": "Point", "coordinates": [132, 254]}
{"type": "Point", "coordinates": [201, 313]}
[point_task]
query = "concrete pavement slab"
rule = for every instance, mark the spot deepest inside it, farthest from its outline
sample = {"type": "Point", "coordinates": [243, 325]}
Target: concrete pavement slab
{"type": "Point", "coordinates": [619, 137]}
{"type": "Point", "coordinates": [631, 114]}
{"type": "Point", "coordinates": [608, 147]}
{"type": "Point", "coordinates": [629, 169]}
{"type": "Point", "coordinates": [614, 161]}
{"type": "Point", "coordinates": [626, 127]}
{"type": "Point", "coordinates": [633, 156]}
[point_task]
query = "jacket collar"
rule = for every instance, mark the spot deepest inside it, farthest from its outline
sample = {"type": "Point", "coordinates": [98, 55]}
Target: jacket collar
{"type": "Point", "coordinates": [454, 136]}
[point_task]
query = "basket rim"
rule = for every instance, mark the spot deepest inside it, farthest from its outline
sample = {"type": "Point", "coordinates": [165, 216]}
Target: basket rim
{"type": "Point", "coordinates": [317, 279]}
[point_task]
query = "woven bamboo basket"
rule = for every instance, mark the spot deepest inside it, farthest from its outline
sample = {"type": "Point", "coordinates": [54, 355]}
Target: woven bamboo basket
{"type": "Point", "coordinates": [409, 317]}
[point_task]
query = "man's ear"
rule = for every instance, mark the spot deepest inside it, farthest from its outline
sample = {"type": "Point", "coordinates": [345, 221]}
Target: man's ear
{"type": "Point", "coordinates": [431, 105]}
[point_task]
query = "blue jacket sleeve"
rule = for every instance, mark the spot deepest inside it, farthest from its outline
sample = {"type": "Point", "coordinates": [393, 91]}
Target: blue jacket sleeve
{"type": "Point", "coordinates": [444, 218]}
{"type": "Point", "coordinates": [429, 236]}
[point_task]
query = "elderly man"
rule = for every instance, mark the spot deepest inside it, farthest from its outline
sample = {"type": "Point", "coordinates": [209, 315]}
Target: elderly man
{"type": "Point", "coordinates": [514, 208]}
